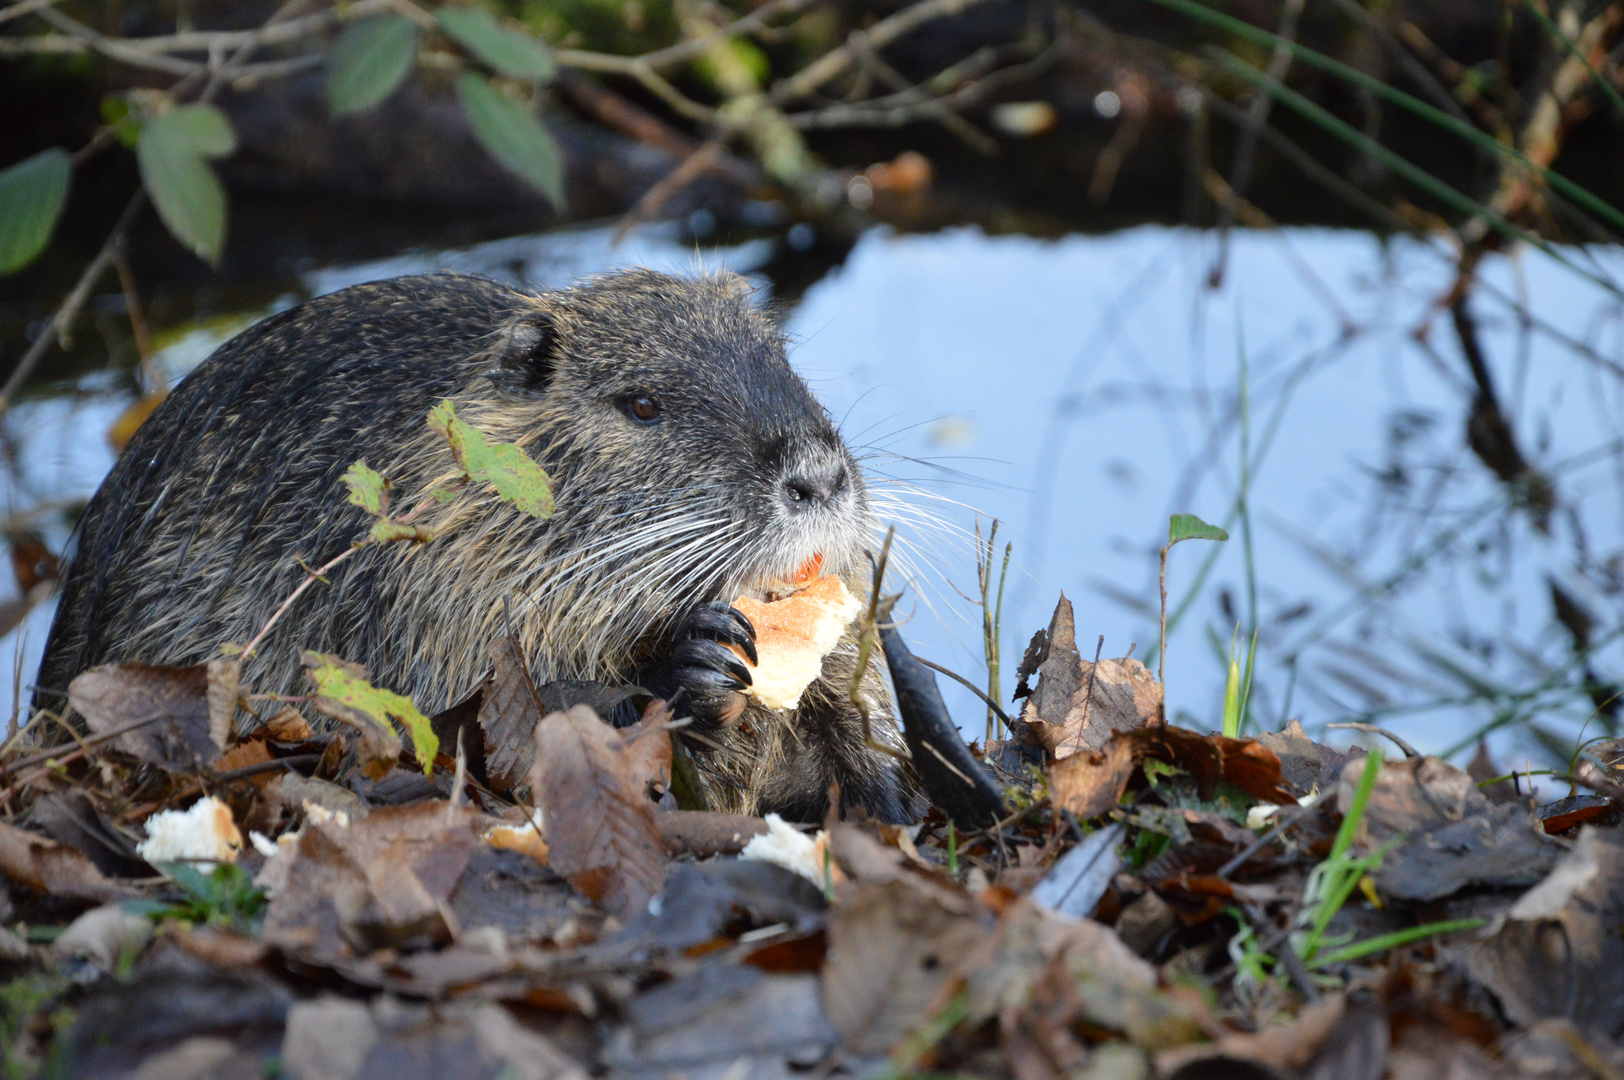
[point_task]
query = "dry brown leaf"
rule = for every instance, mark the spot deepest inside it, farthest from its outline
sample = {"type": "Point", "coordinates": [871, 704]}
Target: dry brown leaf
{"type": "Point", "coordinates": [865, 858]}
{"type": "Point", "coordinates": [225, 677]}
{"type": "Point", "coordinates": [1558, 953]}
{"type": "Point", "coordinates": [601, 832]}
{"type": "Point", "coordinates": [1245, 763]}
{"type": "Point", "coordinates": [1091, 783]}
{"type": "Point", "coordinates": [52, 868]}
{"type": "Point", "coordinates": [1449, 834]}
{"type": "Point", "coordinates": [289, 725]}
{"type": "Point", "coordinates": [1287, 1047]}
{"type": "Point", "coordinates": [246, 755]}
{"type": "Point", "coordinates": [1304, 763]}
{"type": "Point", "coordinates": [648, 751]}
{"type": "Point", "coordinates": [384, 881]}
{"type": "Point", "coordinates": [166, 711]}
{"type": "Point", "coordinates": [892, 951]}
{"type": "Point", "coordinates": [508, 715]}
{"type": "Point", "coordinates": [1085, 704]}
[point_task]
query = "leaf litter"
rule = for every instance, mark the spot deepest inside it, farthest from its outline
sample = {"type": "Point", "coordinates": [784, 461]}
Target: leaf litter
{"type": "Point", "coordinates": [1094, 895]}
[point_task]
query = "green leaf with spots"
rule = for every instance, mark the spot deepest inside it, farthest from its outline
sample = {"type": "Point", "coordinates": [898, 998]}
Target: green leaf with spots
{"type": "Point", "coordinates": [32, 194]}
{"type": "Point", "coordinates": [368, 61]}
{"type": "Point", "coordinates": [1190, 527]}
{"type": "Point", "coordinates": [510, 52]}
{"type": "Point", "coordinates": [512, 472]}
{"type": "Point", "coordinates": [368, 489]}
{"type": "Point", "coordinates": [343, 692]}
{"type": "Point", "coordinates": [512, 135]}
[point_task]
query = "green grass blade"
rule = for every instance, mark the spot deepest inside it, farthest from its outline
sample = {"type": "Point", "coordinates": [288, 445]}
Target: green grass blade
{"type": "Point", "coordinates": [1232, 693]}
{"type": "Point", "coordinates": [1382, 942]}
{"type": "Point", "coordinates": [1356, 812]}
{"type": "Point", "coordinates": [1413, 173]}
{"type": "Point", "coordinates": [1246, 681]}
{"type": "Point", "coordinates": [1395, 96]}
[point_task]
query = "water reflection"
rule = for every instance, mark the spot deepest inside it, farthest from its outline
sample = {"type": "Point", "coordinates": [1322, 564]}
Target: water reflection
{"type": "Point", "coordinates": [1081, 390]}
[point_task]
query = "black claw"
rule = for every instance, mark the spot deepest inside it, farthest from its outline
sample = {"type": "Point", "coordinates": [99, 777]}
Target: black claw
{"type": "Point", "coordinates": [714, 656]}
{"type": "Point", "coordinates": [700, 681]}
{"type": "Point", "coordinates": [722, 622]}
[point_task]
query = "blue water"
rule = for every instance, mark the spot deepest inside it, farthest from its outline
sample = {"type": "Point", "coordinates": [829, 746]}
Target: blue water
{"type": "Point", "coordinates": [1081, 390]}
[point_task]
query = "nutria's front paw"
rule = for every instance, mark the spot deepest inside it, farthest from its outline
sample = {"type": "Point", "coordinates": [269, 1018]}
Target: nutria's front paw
{"type": "Point", "coordinates": [708, 675]}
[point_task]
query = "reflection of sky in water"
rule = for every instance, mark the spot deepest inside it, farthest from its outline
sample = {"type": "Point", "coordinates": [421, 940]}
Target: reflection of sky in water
{"type": "Point", "coordinates": [1081, 390]}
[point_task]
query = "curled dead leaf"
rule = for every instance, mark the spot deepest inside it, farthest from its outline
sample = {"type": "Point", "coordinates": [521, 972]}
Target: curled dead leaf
{"type": "Point", "coordinates": [601, 832]}
{"type": "Point", "coordinates": [52, 868]}
{"type": "Point", "coordinates": [1082, 703]}
{"type": "Point", "coordinates": [163, 715]}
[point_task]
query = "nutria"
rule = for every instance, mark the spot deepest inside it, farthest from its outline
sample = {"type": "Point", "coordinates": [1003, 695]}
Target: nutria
{"type": "Point", "coordinates": [689, 463]}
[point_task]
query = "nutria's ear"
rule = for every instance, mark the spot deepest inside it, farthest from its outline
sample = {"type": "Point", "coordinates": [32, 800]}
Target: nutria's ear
{"type": "Point", "coordinates": [526, 352]}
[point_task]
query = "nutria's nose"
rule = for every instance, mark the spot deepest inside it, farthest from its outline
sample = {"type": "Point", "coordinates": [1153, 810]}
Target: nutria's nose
{"type": "Point", "coordinates": [814, 487]}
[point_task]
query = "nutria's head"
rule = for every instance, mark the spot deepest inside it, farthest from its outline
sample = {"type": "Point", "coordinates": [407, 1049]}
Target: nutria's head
{"type": "Point", "coordinates": [689, 461]}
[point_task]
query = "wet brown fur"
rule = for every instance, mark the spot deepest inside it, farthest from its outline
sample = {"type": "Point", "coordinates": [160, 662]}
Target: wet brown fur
{"type": "Point", "coordinates": [196, 536]}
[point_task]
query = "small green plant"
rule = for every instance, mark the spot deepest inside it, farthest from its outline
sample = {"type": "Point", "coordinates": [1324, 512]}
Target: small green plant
{"type": "Point", "coordinates": [992, 615]}
{"type": "Point", "coordinates": [1147, 845]}
{"type": "Point", "coordinates": [1333, 881]}
{"type": "Point", "coordinates": [20, 1000]}
{"type": "Point", "coordinates": [1253, 966]}
{"type": "Point", "coordinates": [1238, 687]}
{"type": "Point", "coordinates": [1180, 527]}
{"type": "Point", "coordinates": [225, 897]}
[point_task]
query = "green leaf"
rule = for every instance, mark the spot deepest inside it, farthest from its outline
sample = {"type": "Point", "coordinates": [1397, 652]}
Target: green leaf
{"type": "Point", "coordinates": [344, 690]}
{"type": "Point", "coordinates": [368, 489]}
{"type": "Point", "coordinates": [513, 136]}
{"type": "Point", "coordinates": [508, 51]}
{"type": "Point", "coordinates": [1389, 941]}
{"type": "Point", "coordinates": [1190, 527]}
{"type": "Point", "coordinates": [173, 152]}
{"type": "Point", "coordinates": [32, 194]}
{"type": "Point", "coordinates": [368, 61]}
{"type": "Point", "coordinates": [512, 472]}
{"type": "Point", "coordinates": [1232, 697]}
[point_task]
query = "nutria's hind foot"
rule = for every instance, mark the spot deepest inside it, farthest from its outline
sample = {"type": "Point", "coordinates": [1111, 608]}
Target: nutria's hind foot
{"type": "Point", "coordinates": [710, 676]}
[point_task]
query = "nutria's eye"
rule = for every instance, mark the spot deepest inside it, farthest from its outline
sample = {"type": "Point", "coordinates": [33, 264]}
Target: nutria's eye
{"type": "Point", "coordinates": [642, 408]}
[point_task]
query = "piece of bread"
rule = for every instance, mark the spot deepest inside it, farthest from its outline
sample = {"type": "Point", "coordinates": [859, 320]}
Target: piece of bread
{"type": "Point", "coordinates": [793, 635]}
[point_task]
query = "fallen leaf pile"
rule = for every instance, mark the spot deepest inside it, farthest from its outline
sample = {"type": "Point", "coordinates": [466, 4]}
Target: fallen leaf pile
{"type": "Point", "coordinates": [1096, 896]}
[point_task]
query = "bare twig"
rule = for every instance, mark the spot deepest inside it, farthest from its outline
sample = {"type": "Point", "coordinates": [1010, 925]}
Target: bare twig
{"type": "Point", "coordinates": [311, 577]}
{"type": "Point", "coordinates": [1257, 115]}
{"type": "Point", "coordinates": [62, 322]}
{"type": "Point", "coordinates": [696, 164]}
{"type": "Point", "coordinates": [1088, 696]}
{"type": "Point", "coordinates": [19, 8]}
{"type": "Point", "coordinates": [970, 686]}
{"type": "Point", "coordinates": [809, 79]}
{"type": "Point", "coordinates": [1269, 837]}
{"type": "Point", "coordinates": [1372, 729]}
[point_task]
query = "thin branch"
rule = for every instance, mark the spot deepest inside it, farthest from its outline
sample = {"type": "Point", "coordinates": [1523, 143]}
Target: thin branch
{"type": "Point", "coordinates": [1372, 729]}
{"type": "Point", "coordinates": [1257, 116]}
{"type": "Point", "coordinates": [809, 79]}
{"type": "Point", "coordinates": [20, 8]}
{"type": "Point", "coordinates": [972, 687]}
{"type": "Point", "coordinates": [311, 577]}
{"type": "Point", "coordinates": [62, 322]}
